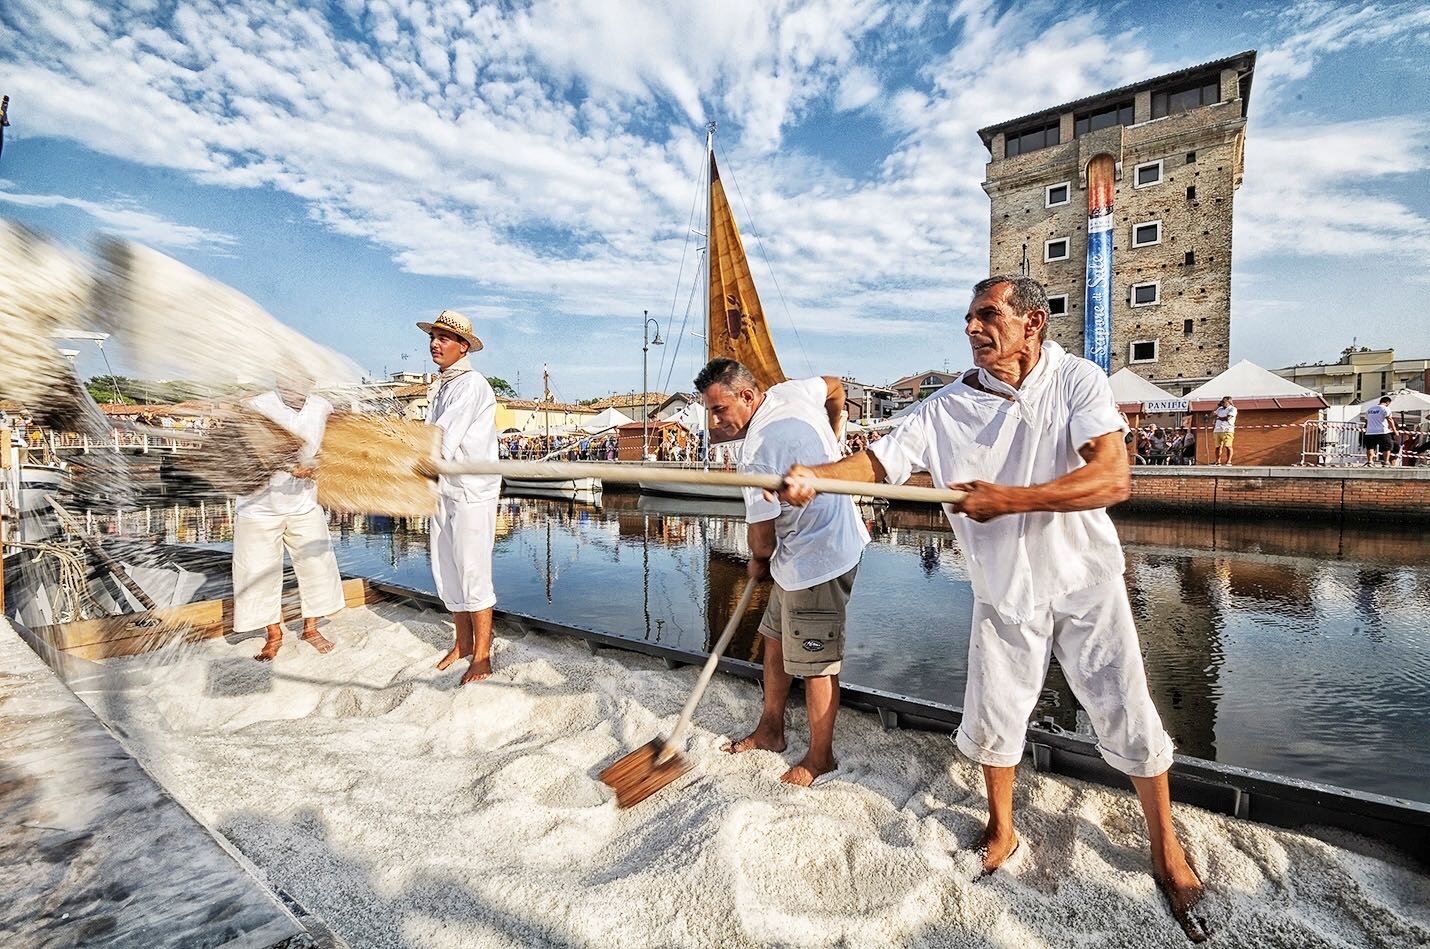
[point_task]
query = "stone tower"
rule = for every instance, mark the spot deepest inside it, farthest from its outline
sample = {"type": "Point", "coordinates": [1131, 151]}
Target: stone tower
{"type": "Point", "coordinates": [1176, 145]}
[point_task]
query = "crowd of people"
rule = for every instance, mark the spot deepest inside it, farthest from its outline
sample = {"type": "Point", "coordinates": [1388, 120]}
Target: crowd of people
{"type": "Point", "coordinates": [1154, 445]}
{"type": "Point", "coordinates": [574, 447]}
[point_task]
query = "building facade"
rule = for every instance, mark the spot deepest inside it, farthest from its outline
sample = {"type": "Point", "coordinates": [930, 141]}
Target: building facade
{"type": "Point", "coordinates": [1177, 144]}
{"type": "Point", "coordinates": [910, 389]}
{"type": "Point", "coordinates": [1360, 375]}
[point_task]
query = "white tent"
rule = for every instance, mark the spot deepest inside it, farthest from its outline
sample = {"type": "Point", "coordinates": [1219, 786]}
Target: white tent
{"type": "Point", "coordinates": [692, 417]}
{"type": "Point", "coordinates": [610, 418]}
{"type": "Point", "coordinates": [1128, 388]}
{"type": "Point", "coordinates": [1402, 400]}
{"type": "Point", "coordinates": [1247, 380]}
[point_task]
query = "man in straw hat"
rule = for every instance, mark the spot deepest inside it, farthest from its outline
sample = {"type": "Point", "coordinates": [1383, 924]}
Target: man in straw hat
{"type": "Point", "coordinates": [463, 532]}
{"type": "Point", "coordinates": [284, 513]}
{"type": "Point", "coordinates": [1033, 435]}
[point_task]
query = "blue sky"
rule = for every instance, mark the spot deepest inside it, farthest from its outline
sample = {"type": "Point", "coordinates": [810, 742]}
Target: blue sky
{"type": "Point", "coordinates": [357, 165]}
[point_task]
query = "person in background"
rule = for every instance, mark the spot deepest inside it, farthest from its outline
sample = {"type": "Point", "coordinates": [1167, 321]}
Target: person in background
{"type": "Point", "coordinates": [1380, 432]}
{"type": "Point", "coordinates": [463, 530]}
{"type": "Point", "coordinates": [1224, 428]}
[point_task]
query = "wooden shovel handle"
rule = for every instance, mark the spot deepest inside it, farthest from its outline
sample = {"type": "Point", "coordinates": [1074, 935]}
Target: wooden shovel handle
{"type": "Point", "coordinates": [632, 474]}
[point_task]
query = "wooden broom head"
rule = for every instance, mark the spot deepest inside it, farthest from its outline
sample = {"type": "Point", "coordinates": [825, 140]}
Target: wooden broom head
{"type": "Point", "coordinates": [641, 773]}
{"type": "Point", "coordinates": [241, 452]}
{"type": "Point", "coordinates": [368, 465]}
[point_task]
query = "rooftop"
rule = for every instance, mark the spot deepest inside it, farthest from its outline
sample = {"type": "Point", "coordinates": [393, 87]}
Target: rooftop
{"type": "Point", "coordinates": [1244, 62]}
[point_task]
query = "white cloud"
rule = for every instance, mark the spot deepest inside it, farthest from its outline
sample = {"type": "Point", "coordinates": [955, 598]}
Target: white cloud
{"type": "Point", "coordinates": [123, 219]}
{"type": "Point", "coordinates": [547, 152]}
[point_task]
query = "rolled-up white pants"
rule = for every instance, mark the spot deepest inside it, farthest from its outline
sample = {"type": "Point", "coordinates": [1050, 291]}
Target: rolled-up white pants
{"type": "Point", "coordinates": [258, 544]}
{"type": "Point", "coordinates": [1095, 639]}
{"type": "Point", "coordinates": [462, 536]}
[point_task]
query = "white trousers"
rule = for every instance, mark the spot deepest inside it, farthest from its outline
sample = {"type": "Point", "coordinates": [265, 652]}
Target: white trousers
{"type": "Point", "coordinates": [462, 536]}
{"type": "Point", "coordinates": [1095, 639]}
{"type": "Point", "coordinates": [258, 544]}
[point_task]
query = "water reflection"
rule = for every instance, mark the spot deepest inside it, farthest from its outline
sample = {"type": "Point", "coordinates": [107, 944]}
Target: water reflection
{"type": "Point", "coordinates": [1296, 649]}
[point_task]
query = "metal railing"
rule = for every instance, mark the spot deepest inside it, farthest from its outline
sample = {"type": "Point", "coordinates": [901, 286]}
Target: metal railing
{"type": "Point", "coordinates": [1341, 445]}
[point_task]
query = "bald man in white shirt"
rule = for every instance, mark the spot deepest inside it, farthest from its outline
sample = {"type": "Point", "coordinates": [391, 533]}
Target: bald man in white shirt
{"type": "Point", "coordinates": [1033, 435]}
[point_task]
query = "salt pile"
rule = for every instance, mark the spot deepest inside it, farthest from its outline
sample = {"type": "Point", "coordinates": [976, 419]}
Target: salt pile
{"type": "Point", "coordinates": [406, 812]}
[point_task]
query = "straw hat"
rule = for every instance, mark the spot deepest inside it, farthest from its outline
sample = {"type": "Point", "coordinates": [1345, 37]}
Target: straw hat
{"type": "Point", "coordinates": [453, 322]}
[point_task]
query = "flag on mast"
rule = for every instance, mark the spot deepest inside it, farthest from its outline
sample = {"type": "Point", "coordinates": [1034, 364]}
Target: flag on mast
{"type": "Point", "coordinates": [737, 321]}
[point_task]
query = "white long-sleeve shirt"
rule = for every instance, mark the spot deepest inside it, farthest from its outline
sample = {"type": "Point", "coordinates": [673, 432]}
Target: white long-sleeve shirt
{"type": "Point", "coordinates": [1018, 562]}
{"type": "Point", "coordinates": [465, 408]}
{"type": "Point", "coordinates": [285, 495]}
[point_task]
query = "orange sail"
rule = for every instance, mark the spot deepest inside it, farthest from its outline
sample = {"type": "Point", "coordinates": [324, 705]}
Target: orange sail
{"type": "Point", "coordinates": [737, 321]}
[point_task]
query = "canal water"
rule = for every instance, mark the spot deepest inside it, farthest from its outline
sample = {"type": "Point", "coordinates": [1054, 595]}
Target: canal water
{"type": "Point", "coordinates": [1298, 649]}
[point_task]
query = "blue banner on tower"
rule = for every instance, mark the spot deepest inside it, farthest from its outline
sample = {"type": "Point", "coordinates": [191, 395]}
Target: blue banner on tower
{"type": "Point", "coordinates": [1097, 308]}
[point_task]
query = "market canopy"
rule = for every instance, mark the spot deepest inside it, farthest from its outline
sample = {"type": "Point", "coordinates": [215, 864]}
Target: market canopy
{"type": "Point", "coordinates": [608, 419]}
{"type": "Point", "coordinates": [1247, 380]}
{"type": "Point", "coordinates": [1402, 400]}
{"type": "Point", "coordinates": [1135, 394]}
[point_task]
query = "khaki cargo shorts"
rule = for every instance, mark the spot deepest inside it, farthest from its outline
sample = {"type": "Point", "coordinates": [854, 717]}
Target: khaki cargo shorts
{"type": "Point", "coordinates": [810, 625]}
{"type": "Point", "coordinates": [1224, 439]}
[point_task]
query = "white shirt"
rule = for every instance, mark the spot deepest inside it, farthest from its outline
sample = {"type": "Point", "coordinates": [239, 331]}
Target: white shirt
{"type": "Point", "coordinates": [1375, 420]}
{"type": "Point", "coordinates": [465, 408]}
{"type": "Point", "coordinates": [826, 539]}
{"type": "Point", "coordinates": [1225, 419]}
{"type": "Point", "coordinates": [1018, 562]}
{"type": "Point", "coordinates": [285, 495]}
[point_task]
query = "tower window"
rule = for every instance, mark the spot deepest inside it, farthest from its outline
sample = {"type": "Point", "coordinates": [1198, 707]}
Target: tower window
{"type": "Point", "coordinates": [1147, 173]}
{"type": "Point", "coordinates": [1191, 192]}
{"type": "Point", "coordinates": [1146, 294]}
{"type": "Point", "coordinates": [1056, 195]}
{"type": "Point", "coordinates": [1119, 114]}
{"type": "Point", "coordinates": [1147, 234]}
{"type": "Point", "coordinates": [1189, 258]}
{"type": "Point", "coordinates": [1142, 350]}
{"type": "Point", "coordinates": [1186, 327]}
{"type": "Point", "coordinates": [1031, 139]}
{"type": "Point", "coordinates": [1058, 305]}
{"type": "Point", "coordinates": [1191, 157]}
{"type": "Point", "coordinates": [1056, 249]}
{"type": "Point", "coordinates": [1185, 98]}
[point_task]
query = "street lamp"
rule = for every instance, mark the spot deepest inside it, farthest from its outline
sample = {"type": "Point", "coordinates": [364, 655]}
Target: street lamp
{"type": "Point", "coordinates": [646, 344]}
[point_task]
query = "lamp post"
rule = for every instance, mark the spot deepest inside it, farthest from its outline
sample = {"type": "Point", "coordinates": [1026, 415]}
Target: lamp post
{"type": "Point", "coordinates": [646, 344]}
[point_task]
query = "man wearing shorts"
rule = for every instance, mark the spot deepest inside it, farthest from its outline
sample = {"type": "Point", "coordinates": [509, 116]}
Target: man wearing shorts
{"type": "Point", "coordinates": [1380, 432]}
{"type": "Point", "coordinates": [1224, 429]}
{"type": "Point", "coordinates": [810, 552]}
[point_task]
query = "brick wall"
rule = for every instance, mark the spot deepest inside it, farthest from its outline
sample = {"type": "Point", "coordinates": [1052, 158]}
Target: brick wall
{"type": "Point", "coordinates": [1400, 495]}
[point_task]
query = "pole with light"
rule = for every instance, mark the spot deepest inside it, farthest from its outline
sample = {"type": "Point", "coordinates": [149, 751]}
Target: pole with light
{"type": "Point", "coordinates": [646, 344]}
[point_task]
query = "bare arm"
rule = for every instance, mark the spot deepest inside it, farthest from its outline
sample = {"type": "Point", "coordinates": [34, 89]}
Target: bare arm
{"type": "Point", "coordinates": [833, 401]}
{"type": "Point", "coordinates": [761, 537]}
{"type": "Point", "coordinates": [1105, 480]}
{"type": "Point", "coordinates": [860, 466]}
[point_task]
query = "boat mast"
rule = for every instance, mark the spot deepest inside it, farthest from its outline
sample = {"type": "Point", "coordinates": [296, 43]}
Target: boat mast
{"type": "Point", "coordinates": [710, 128]}
{"type": "Point", "coordinates": [546, 402]}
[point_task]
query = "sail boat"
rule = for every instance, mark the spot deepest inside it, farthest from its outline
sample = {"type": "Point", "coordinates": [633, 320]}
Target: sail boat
{"type": "Point", "coordinates": [735, 324]}
{"type": "Point", "coordinates": [571, 489]}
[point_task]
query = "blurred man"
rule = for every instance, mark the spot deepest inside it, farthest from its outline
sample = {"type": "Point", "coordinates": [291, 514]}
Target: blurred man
{"type": "Point", "coordinates": [463, 406]}
{"type": "Point", "coordinates": [1034, 437]}
{"type": "Point", "coordinates": [811, 552]}
{"type": "Point", "coordinates": [284, 514]}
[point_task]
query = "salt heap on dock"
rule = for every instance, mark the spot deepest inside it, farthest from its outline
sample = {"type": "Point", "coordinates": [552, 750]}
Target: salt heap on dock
{"type": "Point", "coordinates": [406, 811]}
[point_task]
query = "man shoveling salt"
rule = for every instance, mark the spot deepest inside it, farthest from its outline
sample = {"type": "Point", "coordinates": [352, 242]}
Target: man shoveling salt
{"type": "Point", "coordinates": [1034, 436]}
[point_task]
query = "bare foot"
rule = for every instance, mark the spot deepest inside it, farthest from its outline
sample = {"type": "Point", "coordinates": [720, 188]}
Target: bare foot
{"type": "Point", "coordinates": [452, 656]}
{"type": "Point", "coordinates": [761, 738]}
{"type": "Point", "coordinates": [1182, 889]}
{"type": "Point", "coordinates": [995, 847]}
{"type": "Point", "coordinates": [270, 648]}
{"type": "Point", "coordinates": [477, 671]}
{"type": "Point", "coordinates": [317, 640]}
{"type": "Point", "coordinates": [804, 773]}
